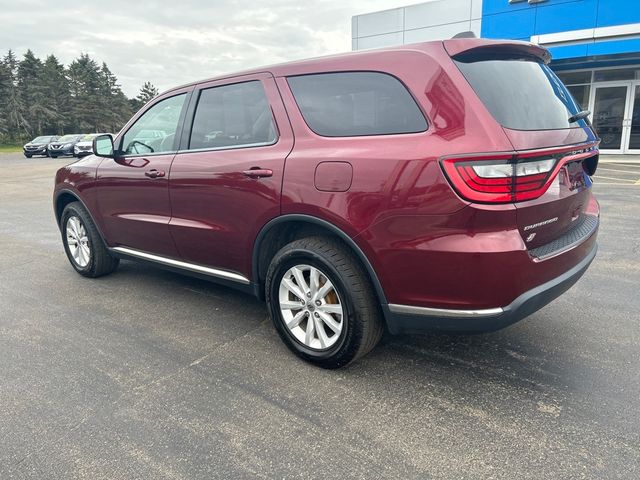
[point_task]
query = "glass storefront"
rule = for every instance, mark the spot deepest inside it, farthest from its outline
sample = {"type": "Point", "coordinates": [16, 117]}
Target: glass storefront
{"type": "Point", "coordinates": [613, 97]}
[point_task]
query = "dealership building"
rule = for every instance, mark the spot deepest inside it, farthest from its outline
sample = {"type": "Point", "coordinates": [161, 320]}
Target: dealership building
{"type": "Point", "coordinates": [595, 46]}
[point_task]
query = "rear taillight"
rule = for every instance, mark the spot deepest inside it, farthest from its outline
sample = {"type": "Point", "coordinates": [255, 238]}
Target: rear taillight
{"type": "Point", "coordinates": [510, 177]}
{"type": "Point", "coordinates": [499, 180]}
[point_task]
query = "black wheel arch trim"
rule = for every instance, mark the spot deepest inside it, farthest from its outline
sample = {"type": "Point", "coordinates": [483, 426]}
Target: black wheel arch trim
{"type": "Point", "coordinates": [63, 191]}
{"type": "Point", "coordinates": [322, 223]}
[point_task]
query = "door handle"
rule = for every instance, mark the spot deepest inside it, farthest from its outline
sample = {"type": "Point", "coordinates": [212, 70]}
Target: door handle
{"type": "Point", "coordinates": [257, 172]}
{"type": "Point", "coordinates": [153, 173]}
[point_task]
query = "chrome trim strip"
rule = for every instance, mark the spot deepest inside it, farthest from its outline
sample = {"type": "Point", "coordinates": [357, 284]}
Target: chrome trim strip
{"type": "Point", "coordinates": [629, 30]}
{"type": "Point", "coordinates": [444, 312]}
{"type": "Point", "coordinates": [192, 267]}
{"type": "Point", "coordinates": [229, 147]}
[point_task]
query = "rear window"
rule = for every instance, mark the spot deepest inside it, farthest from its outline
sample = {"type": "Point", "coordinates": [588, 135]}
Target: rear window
{"type": "Point", "coordinates": [231, 116]}
{"type": "Point", "coordinates": [352, 104]}
{"type": "Point", "coordinates": [521, 93]}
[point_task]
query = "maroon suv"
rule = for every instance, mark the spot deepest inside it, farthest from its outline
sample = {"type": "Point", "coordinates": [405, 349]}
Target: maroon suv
{"type": "Point", "coordinates": [439, 186]}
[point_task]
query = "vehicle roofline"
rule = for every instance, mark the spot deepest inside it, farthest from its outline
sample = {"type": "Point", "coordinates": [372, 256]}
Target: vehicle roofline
{"type": "Point", "coordinates": [279, 69]}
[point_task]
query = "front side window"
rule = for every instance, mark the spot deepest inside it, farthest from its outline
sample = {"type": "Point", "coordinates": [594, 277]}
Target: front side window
{"type": "Point", "coordinates": [232, 116]}
{"type": "Point", "coordinates": [155, 131]}
{"type": "Point", "coordinates": [347, 104]}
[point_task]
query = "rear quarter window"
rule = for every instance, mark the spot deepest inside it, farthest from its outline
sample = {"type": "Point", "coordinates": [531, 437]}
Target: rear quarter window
{"type": "Point", "coordinates": [349, 104]}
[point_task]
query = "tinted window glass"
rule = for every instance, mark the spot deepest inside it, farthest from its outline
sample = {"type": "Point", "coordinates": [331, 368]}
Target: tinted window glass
{"type": "Point", "coordinates": [356, 103]}
{"type": "Point", "coordinates": [522, 94]}
{"type": "Point", "coordinates": [233, 116]}
{"type": "Point", "coordinates": [155, 130]}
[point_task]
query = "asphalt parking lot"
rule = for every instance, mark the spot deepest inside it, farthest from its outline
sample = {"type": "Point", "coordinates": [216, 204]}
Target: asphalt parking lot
{"type": "Point", "coordinates": [149, 374]}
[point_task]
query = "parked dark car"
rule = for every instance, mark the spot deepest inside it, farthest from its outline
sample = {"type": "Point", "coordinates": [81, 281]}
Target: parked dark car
{"type": "Point", "coordinates": [64, 145]}
{"type": "Point", "coordinates": [440, 186]}
{"type": "Point", "coordinates": [38, 146]}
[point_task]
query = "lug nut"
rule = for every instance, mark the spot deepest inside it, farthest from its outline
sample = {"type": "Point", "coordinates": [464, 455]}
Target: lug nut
{"type": "Point", "coordinates": [318, 303]}
{"type": "Point", "coordinates": [309, 294]}
{"type": "Point", "coordinates": [316, 315]}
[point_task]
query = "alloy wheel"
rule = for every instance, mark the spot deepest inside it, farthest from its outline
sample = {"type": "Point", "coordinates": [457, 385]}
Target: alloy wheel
{"type": "Point", "coordinates": [311, 307]}
{"type": "Point", "coordinates": [78, 242]}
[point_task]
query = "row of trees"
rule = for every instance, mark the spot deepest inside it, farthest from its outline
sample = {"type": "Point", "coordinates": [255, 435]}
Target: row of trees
{"type": "Point", "coordinates": [46, 98]}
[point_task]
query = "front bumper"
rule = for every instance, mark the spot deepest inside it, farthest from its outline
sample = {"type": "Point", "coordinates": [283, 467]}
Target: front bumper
{"type": "Point", "coordinates": [410, 319]}
{"type": "Point", "coordinates": [37, 151]}
{"type": "Point", "coordinates": [62, 151]}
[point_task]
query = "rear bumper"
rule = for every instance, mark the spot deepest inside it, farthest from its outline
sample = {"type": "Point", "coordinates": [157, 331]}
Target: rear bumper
{"type": "Point", "coordinates": [410, 319]}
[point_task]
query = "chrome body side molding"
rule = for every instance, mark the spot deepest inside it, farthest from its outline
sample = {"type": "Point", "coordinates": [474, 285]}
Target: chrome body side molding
{"type": "Point", "coordinates": [192, 267]}
{"type": "Point", "coordinates": [443, 312]}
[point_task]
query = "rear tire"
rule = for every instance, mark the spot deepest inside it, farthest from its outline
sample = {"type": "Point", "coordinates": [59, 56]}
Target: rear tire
{"type": "Point", "coordinates": [339, 320]}
{"type": "Point", "coordinates": [83, 244]}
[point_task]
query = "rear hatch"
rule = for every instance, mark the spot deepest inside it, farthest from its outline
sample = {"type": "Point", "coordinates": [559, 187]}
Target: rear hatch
{"type": "Point", "coordinates": [547, 177]}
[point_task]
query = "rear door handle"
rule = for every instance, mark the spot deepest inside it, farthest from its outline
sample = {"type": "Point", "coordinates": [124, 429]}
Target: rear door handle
{"type": "Point", "coordinates": [153, 173]}
{"type": "Point", "coordinates": [258, 172]}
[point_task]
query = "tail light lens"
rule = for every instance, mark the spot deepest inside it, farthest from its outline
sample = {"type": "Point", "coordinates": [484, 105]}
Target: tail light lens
{"type": "Point", "coordinates": [500, 179]}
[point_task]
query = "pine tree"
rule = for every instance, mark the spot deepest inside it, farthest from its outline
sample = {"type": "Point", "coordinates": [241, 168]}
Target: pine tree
{"type": "Point", "coordinates": [147, 92]}
{"type": "Point", "coordinates": [37, 108]}
{"type": "Point", "coordinates": [5, 78]}
{"type": "Point", "coordinates": [86, 88]}
{"type": "Point", "coordinates": [116, 107]}
{"type": "Point", "coordinates": [56, 87]}
{"type": "Point", "coordinates": [15, 120]}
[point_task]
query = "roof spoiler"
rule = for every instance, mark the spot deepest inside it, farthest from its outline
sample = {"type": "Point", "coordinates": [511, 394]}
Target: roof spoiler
{"type": "Point", "coordinates": [463, 47]}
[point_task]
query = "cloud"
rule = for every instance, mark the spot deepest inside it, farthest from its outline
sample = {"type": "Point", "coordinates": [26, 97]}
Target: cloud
{"type": "Point", "coordinates": [171, 44]}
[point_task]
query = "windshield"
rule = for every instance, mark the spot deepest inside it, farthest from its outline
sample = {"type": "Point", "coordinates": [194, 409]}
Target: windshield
{"type": "Point", "coordinates": [68, 138]}
{"type": "Point", "coordinates": [86, 138]}
{"type": "Point", "coordinates": [521, 93]}
{"type": "Point", "coordinates": [41, 139]}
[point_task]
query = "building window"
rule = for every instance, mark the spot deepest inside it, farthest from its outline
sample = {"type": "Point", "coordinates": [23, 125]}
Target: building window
{"type": "Point", "coordinates": [575, 78]}
{"type": "Point", "coordinates": [581, 95]}
{"type": "Point", "coordinates": [616, 74]}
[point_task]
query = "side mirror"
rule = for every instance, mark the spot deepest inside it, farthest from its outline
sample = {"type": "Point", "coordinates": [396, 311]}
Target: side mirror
{"type": "Point", "coordinates": [103, 146]}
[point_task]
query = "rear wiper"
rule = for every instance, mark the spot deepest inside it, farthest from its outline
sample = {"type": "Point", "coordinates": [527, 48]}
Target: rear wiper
{"type": "Point", "coordinates": [579, 116]}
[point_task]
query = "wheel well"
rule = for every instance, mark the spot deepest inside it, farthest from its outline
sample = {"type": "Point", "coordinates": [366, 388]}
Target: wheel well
{"type": "Point", "coordinates": [285, 232]}
{"type": "Point", "coordinates": [62, 201]}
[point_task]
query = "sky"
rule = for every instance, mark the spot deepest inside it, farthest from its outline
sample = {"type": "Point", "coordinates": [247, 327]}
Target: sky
{"type": "Point", "coordinates": [170, 43]}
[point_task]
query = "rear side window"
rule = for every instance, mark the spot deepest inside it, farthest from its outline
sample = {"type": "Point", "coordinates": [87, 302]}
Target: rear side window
{"type": "Point", "coordinates": [521, 93]}
{"type": "Point", "coordinates": [356, 103]}
{"type": "Point", "coordinates": [232, 116]}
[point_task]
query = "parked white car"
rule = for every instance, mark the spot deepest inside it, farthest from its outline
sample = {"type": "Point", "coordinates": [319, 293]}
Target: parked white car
{"type": "Point", "coordinates": [85, 146]}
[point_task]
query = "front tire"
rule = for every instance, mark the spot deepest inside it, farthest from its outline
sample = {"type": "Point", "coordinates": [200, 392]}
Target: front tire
{"type": "Point", "coordinates": [322, 302]}
{"type": "Point", "coordinates": [83, 244]}
{"type": "Point", "coordinates": [28, 155]}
